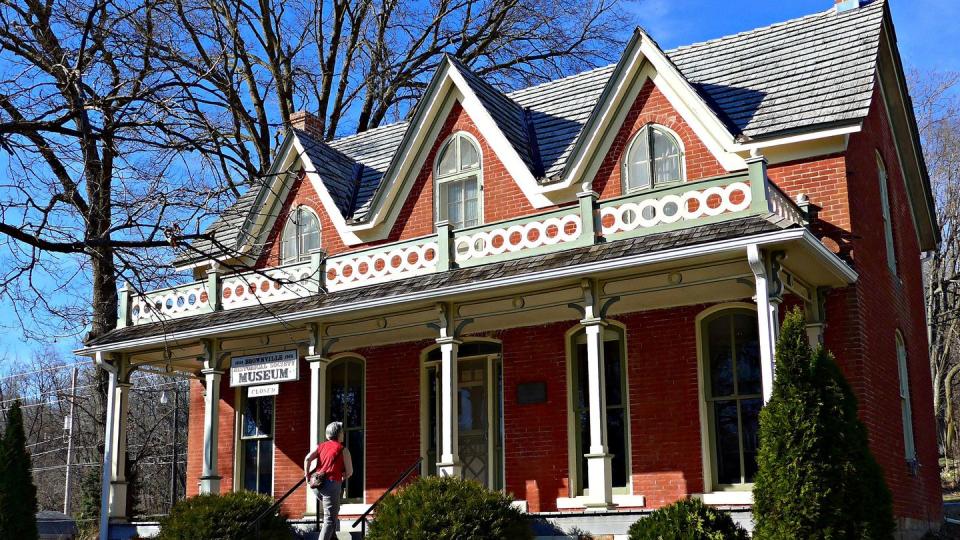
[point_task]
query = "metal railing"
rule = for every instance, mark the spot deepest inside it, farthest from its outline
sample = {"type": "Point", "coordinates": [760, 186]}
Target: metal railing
{"type": "Point", "coordinates": [365, 516]}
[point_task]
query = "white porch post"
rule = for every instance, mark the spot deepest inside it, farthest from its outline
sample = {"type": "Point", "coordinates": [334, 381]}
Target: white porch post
{"type": "Point", "coordinates": [118, 452]}
{"type": "Point", "coordinates": [768, 320]}
{"type": "Point", "coordinates": [816, 316]}
{"type": "Point", "coordinates": [599, 477]}
{"type": "Point", "coordinates": [449, 464]}
{"type": "Point", "coordinates": [318, 388]}
{"type": "Point", "coordinates": [210, 477]}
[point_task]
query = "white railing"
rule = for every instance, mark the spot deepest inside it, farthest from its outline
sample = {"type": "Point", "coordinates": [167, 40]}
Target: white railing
{"type": "Point", "coordinates": [674, 207]}
{"type": "Point", "coordinates": [671, 206]}
{"type": "Point", "coordinates": [387, 263]}
{"type": "Point", "coordinates": [170, 303]}
{"type": "Point", "coordinates": [269, 285]}
{"type": "Point", "coordinates": [483, 244]}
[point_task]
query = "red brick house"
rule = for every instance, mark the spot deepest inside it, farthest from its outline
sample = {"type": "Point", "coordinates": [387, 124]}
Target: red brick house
{"type": "Point", "coordinates": [570, 292]}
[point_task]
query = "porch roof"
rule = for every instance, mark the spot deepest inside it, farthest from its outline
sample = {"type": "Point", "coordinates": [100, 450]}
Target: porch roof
{"type": "Point", "coordinates": [442, 283]}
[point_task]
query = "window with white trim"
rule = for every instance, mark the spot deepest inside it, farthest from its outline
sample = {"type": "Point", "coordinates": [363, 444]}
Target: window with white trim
{"type": "Point", "coordinates": [459, 182]}
{"type": "Point", "coordinates": [256, 444]}
{"type": "Point", "coordinates": [733, 394]}
{"type": "Point", "coordinates": [887, 222]}
{"type": "Point", "coordinates": [909, 449]}
{"type": "Point", "coordinates": [618, 421]}
{"type": "Point", "coordinates": [654, 158]}
{"type": "Point", "coordinates": [301, 235]}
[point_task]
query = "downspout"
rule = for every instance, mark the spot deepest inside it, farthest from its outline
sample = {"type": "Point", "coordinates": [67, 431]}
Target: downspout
{"type": "Point", "coordinates": [108, 437]}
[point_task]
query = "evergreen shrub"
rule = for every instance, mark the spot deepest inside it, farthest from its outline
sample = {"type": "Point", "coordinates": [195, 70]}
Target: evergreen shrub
{"type": "Point", "coordinates": [436, 508]}
{"type": "Point", "coordinates": [223, 517]}
{"type": "Point", "coordinates": [18, 494]}
{"type": "Point", "coordinates": [688, 519]}
{"type": "Point", "coordinates": [816, 476]}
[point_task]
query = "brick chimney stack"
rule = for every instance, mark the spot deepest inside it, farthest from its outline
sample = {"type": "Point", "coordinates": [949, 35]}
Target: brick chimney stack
{"type": "Point", "coordinates": [844, 5]}
{"type": "Point", "coordinates": [305, 121]}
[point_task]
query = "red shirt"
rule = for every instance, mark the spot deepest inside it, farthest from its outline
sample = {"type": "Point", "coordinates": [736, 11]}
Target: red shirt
{"type": "Point", "coordinates": [330, 460]}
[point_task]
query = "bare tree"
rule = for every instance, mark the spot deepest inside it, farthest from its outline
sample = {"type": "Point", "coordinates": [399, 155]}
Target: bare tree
{"type": "Point", "coordinates": [937, 107]}
{"type": "Point", "coordinates": [366, 59]}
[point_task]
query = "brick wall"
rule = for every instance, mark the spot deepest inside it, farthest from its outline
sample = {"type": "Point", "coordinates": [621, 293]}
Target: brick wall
{"type": "Point", "coordinates": [225, 442]}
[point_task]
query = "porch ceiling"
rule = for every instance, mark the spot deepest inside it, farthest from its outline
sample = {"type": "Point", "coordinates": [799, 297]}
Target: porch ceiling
{"type": "Point", "coordinates": [701, 264]}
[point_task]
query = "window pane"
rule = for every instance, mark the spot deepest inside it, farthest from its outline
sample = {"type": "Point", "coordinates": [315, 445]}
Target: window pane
{"type": "Point", "coordinates": [265, 473]}
{"type": "Point", "coordinates": [617, 445]}
{"type": "Point", "coordinates": [469, 157]}
{"type": "Point", "coordinates": [666, 154]}
{"type": "Point", "coordinates": [719, 354]}
{"type": "Point", "coordinates": [264, 415]}
{"type": "Point", "coordinates": [433, 394]}
{"type": "Point", "coordinates": [353, 395]}
{"type": "Point", "coordinates": [337, 377]}
{"type": "Point", "coordinates": [638, 162]}
{"type": "Point", "coordinates": [249, 419]}
{"type": "Point", "coordinates": [288, 243]}
{"type": "Point", "coordinates": [613, 378]}
{"type": "Point", "coordinates": [750, 420]}
{"type": "Point", "coordinates": [727, 442]}
{"type": "Point", "coordinates": [250, 465]}
{"type": "Point", "coordinates": [745, 333]}
{"type": "Point", "coordinates": [471, 203]}
{"type": "Point", "coordinates": [582, 399]}
{"type": "Point", "coordinates": [448, 159]}
{"type": "Point", "coordinates": [309, 233]}
{"type": "Point", "coordinates": [355, 483]}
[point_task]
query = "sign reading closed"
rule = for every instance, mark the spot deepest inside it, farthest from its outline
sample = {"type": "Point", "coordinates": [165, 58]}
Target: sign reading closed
{"type": "Point", "coordinates": [265, 368]}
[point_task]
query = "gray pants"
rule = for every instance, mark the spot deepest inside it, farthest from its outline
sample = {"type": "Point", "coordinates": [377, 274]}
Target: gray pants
{"type": "Point", "coordinates": [329, 496]}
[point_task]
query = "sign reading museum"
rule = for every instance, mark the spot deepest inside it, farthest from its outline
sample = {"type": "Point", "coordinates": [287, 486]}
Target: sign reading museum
{"type": "Point", "coordinates": [268, 368]}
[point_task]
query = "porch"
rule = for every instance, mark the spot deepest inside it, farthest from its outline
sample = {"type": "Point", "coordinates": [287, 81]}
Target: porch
{"type": "Point", "coordinates": [579, 381]}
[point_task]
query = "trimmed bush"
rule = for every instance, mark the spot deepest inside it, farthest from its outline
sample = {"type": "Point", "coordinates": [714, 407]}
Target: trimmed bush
{"type": "Point", "coordinates": [816, 476]}
{"type": "Point", "coordinates": [688, 519]}
{"type": "Point", "coordinates": [436, 508]}
{"type": "Point", "coordinates": [223, 517]}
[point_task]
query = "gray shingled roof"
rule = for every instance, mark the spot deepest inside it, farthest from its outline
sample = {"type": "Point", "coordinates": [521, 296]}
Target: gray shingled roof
{"type": "Point", "coordinates": [735, 228]}
{"type": "Point", "coordinates": [796, 75]}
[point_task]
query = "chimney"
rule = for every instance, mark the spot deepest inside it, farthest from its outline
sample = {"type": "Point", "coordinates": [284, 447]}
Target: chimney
{"type": "Point", "coordinates": [305, 121]}
{"type": "Point", "coordinates": [845, 5]}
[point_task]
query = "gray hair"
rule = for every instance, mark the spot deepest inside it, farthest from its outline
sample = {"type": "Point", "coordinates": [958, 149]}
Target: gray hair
{"type": "Point", "coordinates": [333, 430]}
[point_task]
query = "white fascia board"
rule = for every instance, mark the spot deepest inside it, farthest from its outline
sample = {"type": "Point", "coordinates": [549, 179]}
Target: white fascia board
{"type": "Point", "coordinates": [799, 138]}
{"type": "Point", "coordinates": [329, 206]}
{"type": "Point", "coordinates": [498, 141]}
{"type": "Point", "coordinates": [735, 245]}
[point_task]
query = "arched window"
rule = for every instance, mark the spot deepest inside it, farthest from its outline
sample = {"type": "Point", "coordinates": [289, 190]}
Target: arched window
{"type": "Point", "coordinates": [733, 395]}
{"type": "Point", "coordinates": [654, 158]}
{"type": "Point", "coordinates": [459, 182]}
{"type": "Point", "coordinates": [345, 384]}
{"type": "Point", "coordinates": [301, 235]}
{"type": "Point", "coordinates": [885, 213]}
{"type": "Point", "coordinates": [909, 449]}
{"type": "Point", "coordinates": [618, 422]}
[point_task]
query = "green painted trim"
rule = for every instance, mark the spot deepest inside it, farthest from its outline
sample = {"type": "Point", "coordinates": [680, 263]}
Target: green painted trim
{"type": "Point", "coordinates": [522, 220]}
{"type": "Point", "coordinates": [531, 252]}
{"type": "Point", "coordinates": [444, 255]}
{"type": "Point", "coordinates": [589, 217]}
{"type": "Point", "coordinates": [382, 248]}
{"type": "Point", "coordinates": [757, 171]}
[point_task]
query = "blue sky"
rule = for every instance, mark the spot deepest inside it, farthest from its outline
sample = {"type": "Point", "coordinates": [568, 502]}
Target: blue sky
{"type": "Point", "coordinates": [927, 30]}
{"type": "Point", "coordinates": [929, 38]}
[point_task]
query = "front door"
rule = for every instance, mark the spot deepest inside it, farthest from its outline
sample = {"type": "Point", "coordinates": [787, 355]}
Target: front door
{"type": "Point", "coordinates": [480, 419]}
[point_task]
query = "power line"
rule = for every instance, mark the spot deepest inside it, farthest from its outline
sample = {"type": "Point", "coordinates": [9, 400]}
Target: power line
{"type": "Point", "coordinates": [53, 368]}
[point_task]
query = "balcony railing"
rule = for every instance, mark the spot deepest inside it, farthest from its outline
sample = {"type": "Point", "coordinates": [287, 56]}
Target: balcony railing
{"type": "Point", "coordinates": [674, 207]}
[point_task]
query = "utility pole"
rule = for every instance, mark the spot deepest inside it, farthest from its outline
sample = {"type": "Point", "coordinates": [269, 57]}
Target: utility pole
{"type": "Point", "coordinates": [69, 425]}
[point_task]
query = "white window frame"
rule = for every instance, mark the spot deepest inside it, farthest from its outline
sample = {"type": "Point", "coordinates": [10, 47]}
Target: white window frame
{"type": "Point", "coordinates": [639, 137]}
{"type": "Point", "coordinates": [884, 181]}
{"type": "Point", "coordinates": [239, 465]}
{"type": "Point", "coordinates": [441, 180]}
{"type": "Point", "coordinates": [624, 494]}
{"type": "Point", "coordinates": [294, 220]}
{"type": "Point", "coordinates": [715, 493]}
{"type": "Point", "coordinates": [906, 410]}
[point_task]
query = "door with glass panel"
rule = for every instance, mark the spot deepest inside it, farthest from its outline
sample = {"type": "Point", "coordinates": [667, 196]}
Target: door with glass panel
{"type": "Point", "coordinates": [256, 441]}
{"type": "Point", "coordinates": [480, 415]}
{"type": "Point", "coordinates": [346, 404]}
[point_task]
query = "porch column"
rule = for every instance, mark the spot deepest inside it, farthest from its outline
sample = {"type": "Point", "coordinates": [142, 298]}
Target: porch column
{"type": "Point", "coordinates": [816, 314]}
{"type": "Point", "coordinates": [599, 477]}
{"type": "Point", "coordinates": [210, 477]}
{"type": "Point", "coordinates": [318, 388]}
{"type": "Point", "coordinates": [449, 409]}
{"type": "Point", "coordinates": [768, 298]}
{"type": "Point", "coordinates": [113, 492]}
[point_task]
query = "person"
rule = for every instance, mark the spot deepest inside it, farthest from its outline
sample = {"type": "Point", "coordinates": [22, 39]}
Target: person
{"type": "Point", "coordinates": [333, 458]}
